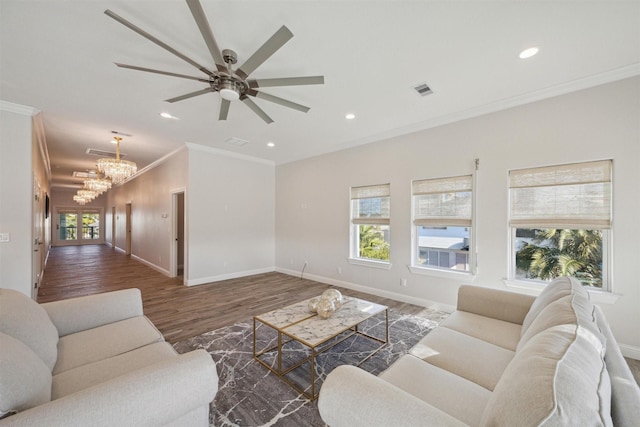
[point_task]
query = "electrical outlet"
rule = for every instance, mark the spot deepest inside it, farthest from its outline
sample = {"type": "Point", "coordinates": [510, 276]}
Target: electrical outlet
{"type": "Point", "coordinates": [403, 283]}
{"type": "Point", "coordinates": [5, 237]}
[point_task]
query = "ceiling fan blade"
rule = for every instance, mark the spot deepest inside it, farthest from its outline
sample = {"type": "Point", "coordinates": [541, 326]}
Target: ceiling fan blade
{"type": "Point", "coordinates": [274, 43]}
{"type": "Point", "coordinates": [287, 81]}
{"type": "Point", "coordinates": [207, 34]}
{"type": "Point", "coordinates": [224, 109]}
{"type": "Point", "coordinates": [277, 100]}
{"type": "Point", "coordinates": [249, 103]}
{"type": "Point", "coordinates": [160, 43]}
{"type": "Point", "coordinates": [166, 73]}
{"type": "Point", "coordinates": [190, 95]}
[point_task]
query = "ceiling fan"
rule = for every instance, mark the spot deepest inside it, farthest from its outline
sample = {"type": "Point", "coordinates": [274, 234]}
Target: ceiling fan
{"type": "Point", "coordinates": [232, 84]}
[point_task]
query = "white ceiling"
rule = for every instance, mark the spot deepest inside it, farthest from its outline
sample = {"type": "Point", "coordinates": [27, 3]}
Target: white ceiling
{"type": "Point", "coordinates": [57, 56]}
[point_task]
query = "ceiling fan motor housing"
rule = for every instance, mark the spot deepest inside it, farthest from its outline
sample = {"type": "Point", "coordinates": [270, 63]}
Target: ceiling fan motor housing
{"type": "Point", "coordinates": [229, 88]}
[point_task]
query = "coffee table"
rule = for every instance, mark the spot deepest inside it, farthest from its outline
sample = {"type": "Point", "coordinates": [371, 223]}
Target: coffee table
{"type": "Point", "coordinates": [295, 323]}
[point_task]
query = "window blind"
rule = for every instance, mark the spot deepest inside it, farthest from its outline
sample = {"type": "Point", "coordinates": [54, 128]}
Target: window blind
{"type": "Point", "coordinates": [576, 195]}
{"type": "Point", "coordinates": [370, 204]}
{"type": "Point", "coordinates": [443, 201]}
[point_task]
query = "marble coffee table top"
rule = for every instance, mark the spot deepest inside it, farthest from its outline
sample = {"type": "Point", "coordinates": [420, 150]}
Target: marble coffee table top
{"type": "Point", "coordinates": [304, 326]}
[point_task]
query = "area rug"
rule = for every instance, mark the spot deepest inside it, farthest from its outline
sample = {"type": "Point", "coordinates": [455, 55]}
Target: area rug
{"type": "Point", "coordinates": [250, 395]}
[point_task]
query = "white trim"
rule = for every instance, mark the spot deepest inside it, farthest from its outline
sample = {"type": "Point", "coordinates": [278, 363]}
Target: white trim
{"type": "Point", "coordinates": [150, 166]}
{"type": "Point", "coordinates": [630, 351]}
{"type": "Point", "coordinates": [18, 109]}
{"type": "Point", "coordinates": [532, 288]}
{"type": "Point", "coordinates": [366, 289]}
{"type": "Point", "coordinates": [225, 153]}
{"type": "Point", "coordinates": [220, 277]}
{"type": "Point", "coordinates": [150, 264]}
{"type": "Point", "coordinates": [503, 104]}
{"type": "Point", "coordinates": [438, 272]}
{"type": "Point", "coordinates": [370, 263]}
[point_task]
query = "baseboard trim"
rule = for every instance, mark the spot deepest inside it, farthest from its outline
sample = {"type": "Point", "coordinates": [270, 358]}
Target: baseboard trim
{"type": "Point", "coordinates": [152, 265]}
{"type": "Point", "coordinates": [220, 277]}
{"type": "Point", "coordinates": [378, 292]}
{"type": "Point", "coordinates": [630, 351]}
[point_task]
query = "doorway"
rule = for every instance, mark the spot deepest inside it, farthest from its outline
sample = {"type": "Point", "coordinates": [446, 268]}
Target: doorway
{"type": "Point", "coordinates": [113, 227]}
{"type": "Point", "coordinates": [177, 268]}
{"type": "Point", "coordinates": [128, 228]}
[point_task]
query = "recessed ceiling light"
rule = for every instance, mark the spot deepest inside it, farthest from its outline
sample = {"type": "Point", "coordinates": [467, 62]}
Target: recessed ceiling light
{"type": "Point", "coordinates": [350, 116]}
{"type": "Point", "coordinates": [168, 116]}
{"type": "Point", "coordinates": [270, 144]}
{"type": "Point", "coordinates": [528, 53]}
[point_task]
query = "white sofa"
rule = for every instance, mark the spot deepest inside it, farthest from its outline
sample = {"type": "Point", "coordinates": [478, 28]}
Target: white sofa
{"type": "Point", "coordinates": [501, 359]}
{"type": "Point", "coordinates": [96, 361]}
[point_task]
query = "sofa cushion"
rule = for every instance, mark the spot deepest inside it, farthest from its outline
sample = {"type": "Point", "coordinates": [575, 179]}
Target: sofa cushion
{"type": "Point", "coordinates": [570, 309]}
{"type": "Point", "coordinates": [25, 381]}
{"type": "Point", "coordinates": [498, 332]}
{"type": "Point", "coordinates": [478, 361]}
{"type": "Point", "coordinates": [104, 342]}
{"type": "Point", "coordinates": [557, 378]}
{"type": "Point", "coordinates": [85, 376]}
{"type": "Point", "coordinates": [558, 288]}
{"type": "Point", "coordinates": [24, 319]}
{"type": "Point", "coordinates": [458, 397]}
{"type": "Point", "coordinates": [625, 392]}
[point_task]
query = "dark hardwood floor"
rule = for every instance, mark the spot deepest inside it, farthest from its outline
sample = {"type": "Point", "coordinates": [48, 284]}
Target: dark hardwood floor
{"type": "Point", "coordinates": [179, 311]}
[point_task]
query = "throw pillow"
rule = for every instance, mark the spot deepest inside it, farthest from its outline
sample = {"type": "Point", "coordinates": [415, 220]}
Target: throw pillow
{"type": "Point", "coordinates": [25, 381]}
{"type": "Point", "coordinates": [24, 319]}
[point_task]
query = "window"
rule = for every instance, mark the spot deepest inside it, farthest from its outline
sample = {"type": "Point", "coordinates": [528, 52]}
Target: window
{"type": "Point", "coordinates": [77, 226]}
{"type": "Point", "coordinates": [560, 219]}
{"type": "Point", "coordinates": [90, 225]}
{"type": "Point", "coordinates": [370, 215]}
{"type": "Point", "coordinates": [442, 220]}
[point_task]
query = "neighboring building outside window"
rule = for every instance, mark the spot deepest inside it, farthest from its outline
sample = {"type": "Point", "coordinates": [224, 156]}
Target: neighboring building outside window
{"type": "Point", "coordinates": [560, 220]}
{"type": "Point", "coordinates": [442, 220]}
{"type": "Point", "coordinates": [370, 218]}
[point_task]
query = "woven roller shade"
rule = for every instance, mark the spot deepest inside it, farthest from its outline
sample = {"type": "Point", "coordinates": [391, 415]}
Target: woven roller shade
{"type": "Point", "coordinates": [443, 202]}
{"type": "Point", "coordinates": [370, 204]}
{"type": "Point", "coordinates": [566, 196]}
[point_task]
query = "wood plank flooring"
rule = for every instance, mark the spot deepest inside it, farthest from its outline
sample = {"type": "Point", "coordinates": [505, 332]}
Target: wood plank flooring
{"type": "Point", "coordinates": [179, 311]}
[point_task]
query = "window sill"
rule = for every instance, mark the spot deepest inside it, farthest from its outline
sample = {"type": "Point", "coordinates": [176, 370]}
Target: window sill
{"type": "Point", "coordinates": [370, 263]}
{"type": "Point", "coordinates": [449, 274]}
{"type": "Point", "coordinates": [532, 288]}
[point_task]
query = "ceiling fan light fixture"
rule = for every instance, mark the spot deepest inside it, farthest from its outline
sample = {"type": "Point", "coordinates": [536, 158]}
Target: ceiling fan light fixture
{"type": "Point", "coordinates": [229, 90]}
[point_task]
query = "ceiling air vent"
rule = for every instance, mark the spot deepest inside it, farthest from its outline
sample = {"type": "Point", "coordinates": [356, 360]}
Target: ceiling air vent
{"type": "Point", "coordinates": [422, 89]}
{"type": "Point", "coordinates": [102, 153]}
{"type": "Point", "coordinates": [236, 141]}
{"type": "Point", "coordinates": [77, 174]}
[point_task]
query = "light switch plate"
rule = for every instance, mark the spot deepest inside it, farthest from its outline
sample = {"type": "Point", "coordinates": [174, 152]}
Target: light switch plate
{"type": "Point", "coordinates": [5, 237]}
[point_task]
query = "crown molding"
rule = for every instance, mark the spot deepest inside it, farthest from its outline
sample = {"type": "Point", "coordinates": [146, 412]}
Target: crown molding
{"type": "Point", "coordinates": [224, 153]}
{"type": "Point", "coordinates": [589, 82]}
{"type": "Point", "coordinates": [18, 109]}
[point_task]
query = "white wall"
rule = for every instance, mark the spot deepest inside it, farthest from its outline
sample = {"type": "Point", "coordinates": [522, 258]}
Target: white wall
{"type": "Point", "coordinates": [151, 219]}
{"type": "Point", "coordinates": [21, 165]}
{"type": "Point", "coordinates": [229, 217]}
{"type": "Point", "coordinates": [230, 222]}
{"type": "Point", "coordinates": [312, 195]}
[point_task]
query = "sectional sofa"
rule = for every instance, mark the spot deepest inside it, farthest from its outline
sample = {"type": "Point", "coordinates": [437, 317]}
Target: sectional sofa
{"type": "Point", "coordinates": [96, 361]}
{"type": "Point", "coordinates": [501, 359]}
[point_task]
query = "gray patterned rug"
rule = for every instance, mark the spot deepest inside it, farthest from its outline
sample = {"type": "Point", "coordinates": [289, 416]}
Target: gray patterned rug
{"type": "Point", "coordinates": [250, 395]}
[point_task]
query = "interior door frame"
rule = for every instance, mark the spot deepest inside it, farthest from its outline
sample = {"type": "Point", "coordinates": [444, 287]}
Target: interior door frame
{"type": "Point", "coordinates": [128, 228]}
{"type": "Point", "coordinates": [175, 232]}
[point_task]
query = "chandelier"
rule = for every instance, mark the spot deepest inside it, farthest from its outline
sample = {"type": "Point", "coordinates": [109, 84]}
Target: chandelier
{"type": "Point", "coordinates": [97, 184]}
{"type": "Point", "coordinates": [85, 196]}
{"type": "Point", "coordinates": [116, 169]}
